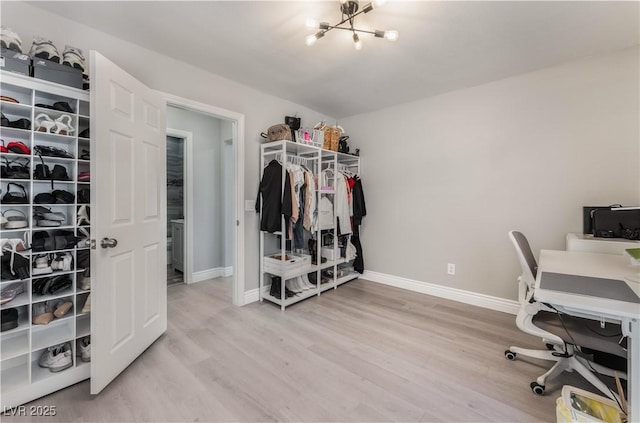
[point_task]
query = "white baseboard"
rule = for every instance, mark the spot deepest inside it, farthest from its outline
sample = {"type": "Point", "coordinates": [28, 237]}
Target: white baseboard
{"type": "Point", "coordinates": [216, 272]}
{"type": "Point", "coordinates": [467, 297]}
{"type": "Point", "coordinates": [251, 296]}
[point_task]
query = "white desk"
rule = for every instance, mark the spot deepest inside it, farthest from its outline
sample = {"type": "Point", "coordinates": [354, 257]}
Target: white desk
{"type": "Point", "coordinates": [627, 313]}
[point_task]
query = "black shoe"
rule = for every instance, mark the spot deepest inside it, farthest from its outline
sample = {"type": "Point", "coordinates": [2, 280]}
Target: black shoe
{"type": "Point", "coordinates": [9, 319]}
{"type": "Point", "coordinates": [276, 287]}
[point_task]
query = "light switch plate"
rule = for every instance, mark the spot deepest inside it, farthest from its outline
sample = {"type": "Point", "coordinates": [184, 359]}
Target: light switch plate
{"type": "Point", "coordinates": [249, 205]}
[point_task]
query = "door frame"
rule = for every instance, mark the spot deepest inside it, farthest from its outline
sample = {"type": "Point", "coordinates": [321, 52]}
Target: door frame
{"type": "Point", "coordinates": [237, 121]}
{"type": "Point", "coordinates": [187, 205]}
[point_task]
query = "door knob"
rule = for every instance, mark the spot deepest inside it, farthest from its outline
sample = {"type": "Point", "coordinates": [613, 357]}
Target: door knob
{"type": "Point", "coordinates": [108, 242]}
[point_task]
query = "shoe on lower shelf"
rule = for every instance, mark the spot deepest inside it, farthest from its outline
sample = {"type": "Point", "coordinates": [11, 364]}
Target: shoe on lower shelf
{"type": "Point", "coordinates": [9, 318]}
{"type": "Point", "coordinates": [56, 358]}
{"type": "Point", "coordinates": [11, 291]}
{"type": "Point", "coordinates": [85, 283]}
{"type": "Point", "coordinates": [61, 308]}
{"type": "Point", "coordinates": [86, 308]}
{"type": "Point", "coordinates": [84, 348]}
{"type": "Point", "coordinates": [41, 314]}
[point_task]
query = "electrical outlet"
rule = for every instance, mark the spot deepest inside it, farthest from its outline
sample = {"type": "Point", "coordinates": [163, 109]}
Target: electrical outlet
{"type": "Point", "coordinates": [451, 268]}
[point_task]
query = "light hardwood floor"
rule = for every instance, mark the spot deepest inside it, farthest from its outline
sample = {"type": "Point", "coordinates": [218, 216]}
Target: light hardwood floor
{"type": "Point", "coordinates": [364, 352]}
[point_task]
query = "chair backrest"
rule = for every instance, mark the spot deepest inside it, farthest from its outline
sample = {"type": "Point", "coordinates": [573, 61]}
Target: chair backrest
{"type": "Point", "coordinates": [526, 258]}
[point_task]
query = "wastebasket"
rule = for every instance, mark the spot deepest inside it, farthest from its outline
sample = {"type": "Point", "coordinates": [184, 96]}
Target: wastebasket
{"type": "Point", "coordinates": [576, 405]}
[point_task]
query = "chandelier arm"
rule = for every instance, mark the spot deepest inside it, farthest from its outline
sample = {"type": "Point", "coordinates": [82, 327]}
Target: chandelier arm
{"type": "Point", "coordinates": [349, 17]}
{"type": "Point", "coordinates": [350, 29]}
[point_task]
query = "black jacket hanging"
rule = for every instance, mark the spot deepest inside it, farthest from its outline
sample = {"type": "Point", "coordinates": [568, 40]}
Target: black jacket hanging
{"type": "Point", "coordinates": [275, 203]}
{"type": "Point", "coordinates": [359, 207]}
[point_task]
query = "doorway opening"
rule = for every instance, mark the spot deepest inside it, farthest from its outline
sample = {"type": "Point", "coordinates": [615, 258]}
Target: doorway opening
{"type": "Point", "coordinates": [175, 207]}
{"type": "Point", "coordinates": [208, 223]}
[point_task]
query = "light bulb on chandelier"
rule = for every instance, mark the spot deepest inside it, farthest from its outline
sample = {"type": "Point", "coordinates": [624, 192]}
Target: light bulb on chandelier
{"type": "Point", "coordinates": [357, 44]}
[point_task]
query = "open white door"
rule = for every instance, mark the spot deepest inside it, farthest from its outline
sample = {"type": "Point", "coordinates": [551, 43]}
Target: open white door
{"type": "Point", "coordinates": [128, 220]}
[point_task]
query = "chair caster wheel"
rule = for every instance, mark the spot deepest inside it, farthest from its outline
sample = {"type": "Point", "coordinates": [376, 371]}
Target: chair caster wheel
{"type": "Point", "coordinates": [509, 355]}
{"type": "Point", "coordinates": [536, 388]}
{"type": "Point", "coordinates": [550, 347]}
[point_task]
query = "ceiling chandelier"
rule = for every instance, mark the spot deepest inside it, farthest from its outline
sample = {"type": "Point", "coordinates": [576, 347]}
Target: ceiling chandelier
{"type": "Point", "coordinates": [350, 9]}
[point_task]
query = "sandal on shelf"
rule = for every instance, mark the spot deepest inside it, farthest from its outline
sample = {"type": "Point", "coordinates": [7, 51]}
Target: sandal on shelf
{"type": "Point", "coordinates": [3, 148]}
{"type": "Point", "coordinates": [44, 123]}
{"type": "Point", "coordinates": [63, 128]}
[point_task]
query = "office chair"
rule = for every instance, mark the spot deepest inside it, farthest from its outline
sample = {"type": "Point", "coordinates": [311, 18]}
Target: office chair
{"type": "Point", "coordinates": [567, 337]}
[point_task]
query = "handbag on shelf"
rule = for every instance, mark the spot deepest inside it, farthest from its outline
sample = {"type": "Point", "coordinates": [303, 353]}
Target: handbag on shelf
{"type": "Point", "coordinates": [15, 197]}
{"type": "Point", "coordinates": [278, 132]}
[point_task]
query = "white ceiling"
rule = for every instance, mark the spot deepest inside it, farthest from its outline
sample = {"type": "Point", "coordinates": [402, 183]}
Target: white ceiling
{"type": "Point", "coordinates": [443, 46]}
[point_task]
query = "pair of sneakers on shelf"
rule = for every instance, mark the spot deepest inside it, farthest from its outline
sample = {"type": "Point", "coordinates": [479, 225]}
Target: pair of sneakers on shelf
{"type": "Point", "coordinates": [44, 48]}
{"type": "Point", "coordinates": [59, 357]}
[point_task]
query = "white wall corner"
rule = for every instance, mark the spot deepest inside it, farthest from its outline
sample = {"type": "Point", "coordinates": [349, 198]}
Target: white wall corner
{"type": "Point", "coordinates": [227, 271]}
{"type": "Point", "coordinates": [251, 296]}
{"type": "Point", "coordinates": [467, 297]}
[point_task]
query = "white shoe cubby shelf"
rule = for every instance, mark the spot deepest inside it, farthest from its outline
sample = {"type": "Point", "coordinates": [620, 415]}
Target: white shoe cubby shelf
{"type": "Point", "coordinates": [21, 378]}
{"type": "Point", "coordinates": [276, 259]}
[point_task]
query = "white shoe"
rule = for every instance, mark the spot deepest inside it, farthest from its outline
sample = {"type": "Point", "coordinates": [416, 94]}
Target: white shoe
{"type": "Point", "coordinates": [305, 280]}
{"type": "Point", "coordinates": [86, 308]}
{"type": "Point", "coordinates": [44, 49]}
{"type": "Point", "coordinates": [83, 215]}
{"type": "Point", "coordinates": [302, 284]}
{"type": "Point", "coordinates": [10, 40]}
{"type": "Point", "coordinates": [293, 286]}
{"type": "Point", "coordinates": [72, 56]}
{"type": "Point", "coordinates": [84, 348]}
{"type": "Point", "coordinates": [63, 262]}
{"type": "Point", "coordinates": [56, 358]}
{"type": "Point", "coordinates": [85, 283]}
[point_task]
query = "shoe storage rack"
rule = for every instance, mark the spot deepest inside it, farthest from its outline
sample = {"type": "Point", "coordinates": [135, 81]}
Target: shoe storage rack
{"type": "Point", "coordinates": [22, 379]}
{"type": "Point", "coordinates": [273, 246]}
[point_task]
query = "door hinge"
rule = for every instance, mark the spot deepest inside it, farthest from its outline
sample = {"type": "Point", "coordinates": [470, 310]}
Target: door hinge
{"type": "Point", "coordinates": [237, 223]}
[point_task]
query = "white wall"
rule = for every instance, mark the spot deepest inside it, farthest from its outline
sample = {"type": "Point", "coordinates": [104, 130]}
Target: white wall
{"type": "Point", "coordinates": [168, 75]}
{"type": "Point", "coordinates": [208, 242]}
{"type": "Point", "coordinates": [446, 178]}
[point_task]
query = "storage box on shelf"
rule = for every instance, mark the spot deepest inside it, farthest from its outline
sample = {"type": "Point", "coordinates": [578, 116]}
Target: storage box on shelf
{"type": "Point", "coordinates": [22, 378]}
{"type": "Point", "coordinates": [276, 259]}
